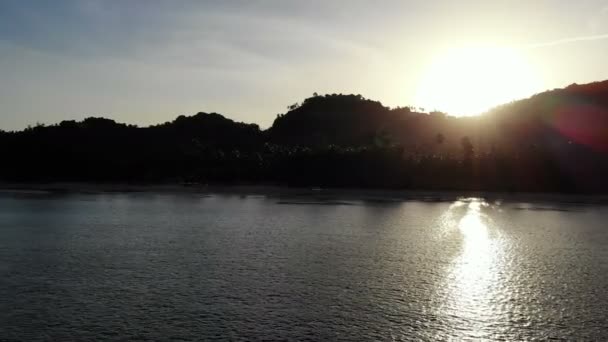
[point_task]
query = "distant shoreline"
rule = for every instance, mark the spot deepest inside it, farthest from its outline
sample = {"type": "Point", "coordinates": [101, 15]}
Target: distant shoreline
{"type": "Point", "coordinates": [362, 194]}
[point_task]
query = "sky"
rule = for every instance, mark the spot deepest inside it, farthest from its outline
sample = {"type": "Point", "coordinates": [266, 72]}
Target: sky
{"type": "Point", "coordinates": [146, 62]}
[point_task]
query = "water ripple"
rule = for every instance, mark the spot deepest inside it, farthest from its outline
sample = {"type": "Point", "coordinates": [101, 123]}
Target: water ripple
{"type": "Point", "coordinates": [185, 267]}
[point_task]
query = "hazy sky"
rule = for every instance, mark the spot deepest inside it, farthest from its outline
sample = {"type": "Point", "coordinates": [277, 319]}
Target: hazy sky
{"type": "Point", "coordinates": [148, 61]}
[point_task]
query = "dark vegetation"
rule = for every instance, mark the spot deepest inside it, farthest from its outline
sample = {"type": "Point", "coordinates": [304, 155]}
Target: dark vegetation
{"type": "Point", "coordinates": [554, 141]}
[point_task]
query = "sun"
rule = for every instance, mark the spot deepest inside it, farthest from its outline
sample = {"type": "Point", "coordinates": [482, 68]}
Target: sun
{"type": "Point", "coordinates": [470, 80]}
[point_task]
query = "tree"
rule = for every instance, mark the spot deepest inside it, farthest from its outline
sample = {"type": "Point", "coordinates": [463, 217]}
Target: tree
{"type": "Point", "coordinates": [467, 148]}
{"type": "Point", "coordinates": [439, 138]}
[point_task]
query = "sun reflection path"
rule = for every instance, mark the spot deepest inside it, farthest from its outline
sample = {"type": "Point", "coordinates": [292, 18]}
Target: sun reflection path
{"type": "Point", "coordinates": [473, 284]}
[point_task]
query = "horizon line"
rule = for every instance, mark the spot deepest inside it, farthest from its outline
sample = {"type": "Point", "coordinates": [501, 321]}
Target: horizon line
{"type": "Point", "coordinates": [423, 110]}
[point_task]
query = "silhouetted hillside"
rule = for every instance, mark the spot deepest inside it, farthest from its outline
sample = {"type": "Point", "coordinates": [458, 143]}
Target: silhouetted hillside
{"type": "Point", "coordinates": [553, 141]}
{"type": "Point", "coordinates": [351, 120]}
{"type": "Point", "coordinates": [103, 150]}
{"type": "Point", "coordinates": [344, 120]}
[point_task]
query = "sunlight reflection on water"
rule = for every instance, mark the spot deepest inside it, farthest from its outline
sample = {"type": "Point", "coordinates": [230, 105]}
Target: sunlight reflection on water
{"type": "Point", "coordinates": [474, 280]}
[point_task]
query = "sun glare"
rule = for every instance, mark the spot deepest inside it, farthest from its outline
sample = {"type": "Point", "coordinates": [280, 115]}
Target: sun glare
{"type": "Point", "coordinates": [471, 80]}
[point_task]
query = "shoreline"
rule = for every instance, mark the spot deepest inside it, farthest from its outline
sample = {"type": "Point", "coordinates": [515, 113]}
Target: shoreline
{"type": "Point", "coordinates": [363, 194]}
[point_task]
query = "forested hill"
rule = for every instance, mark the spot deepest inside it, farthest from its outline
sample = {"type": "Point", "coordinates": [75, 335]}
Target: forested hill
{"type": "Point", "coordinates": [553, 141]}
{"type": "Point", "coordinates": [548, 118]}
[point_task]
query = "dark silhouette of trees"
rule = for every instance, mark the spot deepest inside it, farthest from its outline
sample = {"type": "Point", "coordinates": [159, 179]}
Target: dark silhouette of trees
{"type": "Point", "coordinates": [553, 141]}
{"type": "Point", "coordinates": [439, 138]}
{"type": "Point", "coordinates": [467, 148]}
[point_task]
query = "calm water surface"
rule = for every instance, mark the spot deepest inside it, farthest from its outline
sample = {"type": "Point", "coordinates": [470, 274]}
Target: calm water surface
{"type": "Point", "coordinates": [230, 267]}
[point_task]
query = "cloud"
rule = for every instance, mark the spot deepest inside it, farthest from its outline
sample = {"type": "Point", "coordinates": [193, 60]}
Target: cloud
{"type": "Point", "coordinates": [569, 40]}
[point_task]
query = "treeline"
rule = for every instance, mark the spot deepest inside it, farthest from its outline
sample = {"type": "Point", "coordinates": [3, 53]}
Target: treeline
{"type": "Point", "coordinates": [554, 141]}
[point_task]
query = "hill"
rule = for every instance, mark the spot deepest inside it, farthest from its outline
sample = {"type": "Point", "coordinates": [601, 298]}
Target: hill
{"type": "Point", "coordinates": [553, 141]}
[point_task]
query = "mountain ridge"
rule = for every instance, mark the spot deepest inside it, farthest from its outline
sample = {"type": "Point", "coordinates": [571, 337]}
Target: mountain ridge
{"type": "Point", "coordinates": [553, 141]}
